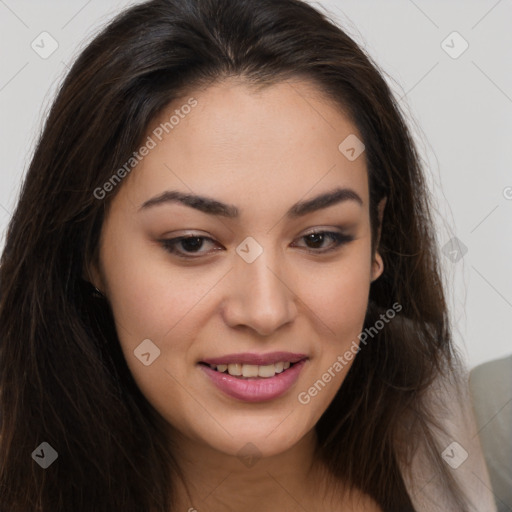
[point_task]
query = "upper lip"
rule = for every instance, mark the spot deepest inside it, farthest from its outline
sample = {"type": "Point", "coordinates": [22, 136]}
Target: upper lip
{"type": "Point", "coordinates": [257, 359]}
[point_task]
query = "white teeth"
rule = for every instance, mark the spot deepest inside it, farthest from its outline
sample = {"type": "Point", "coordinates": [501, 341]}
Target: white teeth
{"type": "Point", "coordinates": [251, 370]}
{"type": "Point", "coordinates": [266, 371]}
{"type": "Point", "coordinates": [234, 369]}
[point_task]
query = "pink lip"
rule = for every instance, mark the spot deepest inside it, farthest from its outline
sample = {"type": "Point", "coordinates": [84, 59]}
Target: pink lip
{"type": "Point", "coordinates": [257, 389]}
{"type": "Point", "coordinates": [258, 359]}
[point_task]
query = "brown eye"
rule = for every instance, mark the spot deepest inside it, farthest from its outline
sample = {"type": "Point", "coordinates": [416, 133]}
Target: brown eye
{"type": "Point", "coordinates": [192, 244]}
{"type": "Point", "coordinates": [315, 242]}
{"type": "Point", "coordinates": [184, 246]}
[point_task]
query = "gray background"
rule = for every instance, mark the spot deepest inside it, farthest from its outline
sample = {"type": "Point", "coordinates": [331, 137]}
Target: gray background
{"type": "Point", "coordinates": [459, 108]}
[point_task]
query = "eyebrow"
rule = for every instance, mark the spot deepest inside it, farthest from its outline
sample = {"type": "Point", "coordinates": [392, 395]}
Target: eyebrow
{"type": "Point", "coordinates": [214, 207]}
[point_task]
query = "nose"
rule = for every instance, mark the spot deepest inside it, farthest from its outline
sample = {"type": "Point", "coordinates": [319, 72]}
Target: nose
{"type": "Point", "coordinates": [260, 297]}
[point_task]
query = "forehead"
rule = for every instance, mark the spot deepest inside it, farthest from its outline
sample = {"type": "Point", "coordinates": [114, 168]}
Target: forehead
{"type": "Point", "coordinates": [237, 142]}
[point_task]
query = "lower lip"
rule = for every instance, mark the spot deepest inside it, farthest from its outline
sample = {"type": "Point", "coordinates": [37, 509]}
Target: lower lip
{"type": "Point", "coordinates": [255, 389]}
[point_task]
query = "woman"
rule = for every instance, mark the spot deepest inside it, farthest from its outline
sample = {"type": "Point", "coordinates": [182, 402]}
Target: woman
{"type": "Point", "coordinates": [220, 287]}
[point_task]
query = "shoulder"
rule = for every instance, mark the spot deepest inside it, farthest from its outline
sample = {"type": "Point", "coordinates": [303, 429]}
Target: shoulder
{"type": "Point", "coordinates": [452, 434]}
{"type": "Point", "coordinates": [491, 375]}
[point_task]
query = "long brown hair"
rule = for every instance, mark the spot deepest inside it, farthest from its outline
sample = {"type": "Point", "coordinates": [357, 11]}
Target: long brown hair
{"type": "Point", "coordinates": [63, 379]}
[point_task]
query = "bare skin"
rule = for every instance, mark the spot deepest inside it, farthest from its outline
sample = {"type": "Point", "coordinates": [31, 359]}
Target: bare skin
{"type": "Point", "coordinates": [261, 151]}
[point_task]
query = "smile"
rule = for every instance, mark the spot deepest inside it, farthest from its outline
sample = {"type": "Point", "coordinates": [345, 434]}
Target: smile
{"type": "Point", "coordinates": [252, 370]}
{"type": "Point", "coordinates": [253, 383]}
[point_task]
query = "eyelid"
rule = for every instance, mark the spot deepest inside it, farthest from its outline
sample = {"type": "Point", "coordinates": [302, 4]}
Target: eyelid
{"type": "Point", "coordinates": [339, 240]}
{"type": "Point", "coordinates": [169, 244]}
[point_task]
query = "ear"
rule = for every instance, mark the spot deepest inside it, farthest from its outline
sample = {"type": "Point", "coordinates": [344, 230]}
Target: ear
{"type": "Point", "coordinates": [378, 263]}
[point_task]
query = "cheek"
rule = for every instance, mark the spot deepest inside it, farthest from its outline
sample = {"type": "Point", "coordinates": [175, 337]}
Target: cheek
{"type": "Point", "coordinates": [149, 296]}
{"type": "Point", "coordinates": [341, 305]}
{"type": "Point", "coordinates": [339, 297]}
{"type": "Point", "coordinates": [152, 301]}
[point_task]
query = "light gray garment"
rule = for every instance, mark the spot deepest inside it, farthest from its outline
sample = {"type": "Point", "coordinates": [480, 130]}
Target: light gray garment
{"type": "Point", "coordinates": [459, 446]}
{"type": "Point", "coordinates": [491, 389]}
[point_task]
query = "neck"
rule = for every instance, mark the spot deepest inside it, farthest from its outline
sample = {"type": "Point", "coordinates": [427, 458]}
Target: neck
{"type": "Point", "coordinates": [214, 481]}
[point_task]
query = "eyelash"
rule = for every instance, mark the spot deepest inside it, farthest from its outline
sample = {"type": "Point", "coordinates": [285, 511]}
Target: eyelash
{"type": "Point", "coordinates": [340, 239]}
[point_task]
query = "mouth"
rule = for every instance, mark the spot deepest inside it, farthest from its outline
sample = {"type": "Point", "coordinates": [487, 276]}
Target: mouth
{"type": "Point", "coordinates": [252, 371]}
{"type": "Point", "coordinates": [254, 377]}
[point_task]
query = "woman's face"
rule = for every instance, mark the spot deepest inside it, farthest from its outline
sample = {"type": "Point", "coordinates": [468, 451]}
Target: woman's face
{"type": "Point", "coordinates": [254, 278]}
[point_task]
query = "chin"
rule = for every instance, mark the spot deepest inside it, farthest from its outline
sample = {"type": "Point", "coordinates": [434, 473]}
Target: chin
{"type": "Point", "coordinates": [257, 438]}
